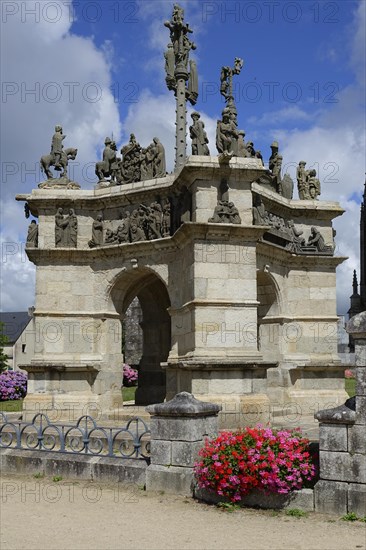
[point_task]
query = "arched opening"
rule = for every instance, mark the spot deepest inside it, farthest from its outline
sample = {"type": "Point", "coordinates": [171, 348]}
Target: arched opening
{"type": "Point", "coordinates": [268, 311]}
{"type": "Point", "coordinates": [154, 302]}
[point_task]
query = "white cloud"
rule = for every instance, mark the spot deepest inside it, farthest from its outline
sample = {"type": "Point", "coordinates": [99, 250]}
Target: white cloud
{"type": "Point", "coordinates": [70, 79]}
{"type": "Point", "coordinates": [287, 114]}
{"type": "Point", "coordinates": [336, 146]}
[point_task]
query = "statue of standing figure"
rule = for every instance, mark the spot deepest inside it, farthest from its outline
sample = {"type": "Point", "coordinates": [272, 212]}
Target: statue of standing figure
{"type": "Point", "coordinates": [97, 232]}
{"type": "Point", "coordinates": [32, 237]}
{"type": "Point", "coordinates": [66, 229]}
{"type": "Point", "coordinates": [198, 136]}
{"type": "Point", "coordinates": [308, 184]}
{"type": "Point", "coordinates": [56, 147]}
{"type": "Point", "coordinates": [226, 134]}
{"type": "Point", "coordinates": [159, 165]}
{"type": "Point", "coordinates": [103, 169]}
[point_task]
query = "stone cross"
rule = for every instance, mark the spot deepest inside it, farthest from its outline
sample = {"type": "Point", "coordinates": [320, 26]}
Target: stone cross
{"type": "Point", "coordinates": [177, 76]}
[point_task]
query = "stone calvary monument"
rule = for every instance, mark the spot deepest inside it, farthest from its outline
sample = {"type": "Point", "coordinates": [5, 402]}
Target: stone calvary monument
{"type": "Point", "coordinates": [235, 277]}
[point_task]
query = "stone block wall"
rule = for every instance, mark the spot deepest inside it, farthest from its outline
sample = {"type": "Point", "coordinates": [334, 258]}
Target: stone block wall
{"type": "Point", "coordinates": [342, 442]}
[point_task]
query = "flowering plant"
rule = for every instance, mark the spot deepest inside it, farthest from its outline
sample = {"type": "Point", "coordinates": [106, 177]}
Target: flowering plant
{"type": "Point", "coordinates": [274, 461]}
{"type": "Point", "coordinates": [130, 375]}
{"type": "Point", "coordinates": [349, 373]}
{"type": "Point", "coordinates": [13, 385]}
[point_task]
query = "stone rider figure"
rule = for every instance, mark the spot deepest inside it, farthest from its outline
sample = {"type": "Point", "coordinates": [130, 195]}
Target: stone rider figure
{"type": "Point", "coordinates": [56, 146]}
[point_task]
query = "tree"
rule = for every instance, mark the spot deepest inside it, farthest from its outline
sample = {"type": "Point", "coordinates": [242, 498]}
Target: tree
{"type": "Point", "coordinates": [3, 341]}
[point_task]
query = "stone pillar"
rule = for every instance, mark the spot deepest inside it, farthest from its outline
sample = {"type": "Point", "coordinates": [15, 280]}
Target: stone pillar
{"type": "Point", "coordinates": [178, 431]}
{"type": "Point", "coordinates": [342, 441]}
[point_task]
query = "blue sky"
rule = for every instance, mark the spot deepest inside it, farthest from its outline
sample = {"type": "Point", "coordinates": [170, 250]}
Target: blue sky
{"type": "Point", "coordinates": [97, 68]}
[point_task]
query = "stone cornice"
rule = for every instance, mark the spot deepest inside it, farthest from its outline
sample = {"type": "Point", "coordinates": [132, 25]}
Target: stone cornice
{"type": "Point", "coordinates": [193, 304]}
{"type": "Point", "coordinates": [292, 209]}
{"type": "Point", "coordinates": [188, 232]}
{"type": "Point", "coordinates": [196, 167]}
{"type": "Point", "coordinates": [281, 256]}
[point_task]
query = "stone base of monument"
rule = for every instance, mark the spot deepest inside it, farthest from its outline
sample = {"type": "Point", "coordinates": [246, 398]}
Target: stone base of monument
{"type": "Point", "coordinates": [68, 407]}
{"type": "Point", "coordinates": [59, 183]}
{"type": "Point", "coordinates": [66, 392]}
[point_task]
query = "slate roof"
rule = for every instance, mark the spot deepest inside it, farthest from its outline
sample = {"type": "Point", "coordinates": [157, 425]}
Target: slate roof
{"type": "Point", "coordinates": [14, 324]}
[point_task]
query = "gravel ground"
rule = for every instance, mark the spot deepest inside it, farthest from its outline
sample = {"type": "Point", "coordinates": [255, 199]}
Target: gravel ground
{"type": "Point", "coordinates": [65, 515]}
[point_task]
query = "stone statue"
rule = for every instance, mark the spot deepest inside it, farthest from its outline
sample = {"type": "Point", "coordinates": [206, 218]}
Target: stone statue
{"type": "Point", "coordinates": [123, 231]}
{"type": "Point", "coordinates": [170, 67]}
{"type": "Point", "coordinates": [298, 240]}
{"type": "Point", "coordinates": [226, 78]}
{"type": "Point", "coordinates": [276, 170]}
{"type": "Point", "coordinates": [272, 158]}
{"type": "Point", "coordinates": [250, 149]}
{"type": "Point", "coordinates": [165, 228]}
{"type": "Point", "coordinates": [198, 136]}
{"type": "Point", "coordinates": [97, 232]}
{"type": "Point", "coordinates": [146, 164]}
{"type": "Point", "coordinates": [260, 215]}
{"type": "Point", "coordinates": [192, 92]}
{"type": "Point", "coordinates": [233, 214]}
{"type": "Point", "coordinates": [226, 132]}
{"type": "Point", "coordinates": [136, 233]}
{"type": "Point", "coordinates": [287, 187]}
{"type": "Point", "coordinates": [159, 166]}
{"type": "Point", "coordinates": [316, 240]}
{"type": "Point", "coordinates": [103, 169]}
{"type": "Point", "coordinates": [308, 184]}
{"type": "Point", "coordinates": [66, 229]}
{"type": "Point", "coordinates": [59, 158]}
{"type": "Point", "coordinates": [32, 237]}
{"type": "Point", "coordinates": [313, 184]}
{"type": "Point", "coordinates": [59, 228]}
{"type": "Point", "coordinates": [110, 237]}
{"type": "Point", "coordinates": [225, 212]}
{"type": "Point", "coordinates": [131, 161]}
{"type": "Point", "coordinates": [302, 185]}
{"type": "Point", "coordinates": [56, 147]}
{"type": "Point", "coordinates": [71, 229]}
{"type": "Point", "coordinates": [47, 160]}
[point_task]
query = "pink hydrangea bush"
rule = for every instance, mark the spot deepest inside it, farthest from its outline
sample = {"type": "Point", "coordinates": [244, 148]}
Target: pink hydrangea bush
{"type": "Point", "coordinates": [130, 375]}
{"type": "Point", "coordinates": [273, 461]}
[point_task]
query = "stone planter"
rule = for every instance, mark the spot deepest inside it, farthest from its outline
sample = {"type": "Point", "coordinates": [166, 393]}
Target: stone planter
{"type": "Point", "coordinates": [303, 499]}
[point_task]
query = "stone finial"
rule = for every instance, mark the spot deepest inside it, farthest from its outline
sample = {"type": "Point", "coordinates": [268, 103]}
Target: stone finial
{"type": "Point", "coordinates": [184, 404]}
{"type": "Point", "coordinates": [337, 415]}
{"type": "Point", "coordinates": [357, 325]}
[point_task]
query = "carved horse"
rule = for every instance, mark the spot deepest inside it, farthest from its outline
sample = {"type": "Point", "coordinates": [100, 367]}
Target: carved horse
{"type": "Point", "coordinates": [48, 160]}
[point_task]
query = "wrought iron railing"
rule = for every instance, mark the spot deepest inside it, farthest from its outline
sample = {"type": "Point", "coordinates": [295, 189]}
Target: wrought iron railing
{"type": "Point", "coordinates": [84, 437]}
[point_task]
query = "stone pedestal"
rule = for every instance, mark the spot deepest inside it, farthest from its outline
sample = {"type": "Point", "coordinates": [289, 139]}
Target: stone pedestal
{"type": "Point", "coordinates": [342, 442]}
{"type": "Point", "coordinates": [178, 431]}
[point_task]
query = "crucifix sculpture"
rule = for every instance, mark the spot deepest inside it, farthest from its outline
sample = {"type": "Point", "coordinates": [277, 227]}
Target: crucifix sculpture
{"type": "Point", "coordinates": [181, 76]}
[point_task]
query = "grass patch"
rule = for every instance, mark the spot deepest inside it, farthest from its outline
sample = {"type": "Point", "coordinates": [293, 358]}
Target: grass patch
{"type": "Point", "coordinates": [351, 516]}
{"type": "Point", "coordinates": [128, 394]}
{"type": "Point", "coordinates": [350, 386]}
{"type": "Point", "coordinates": [296, 513]}
{"type": "Point", "coordinates": [11, 406]}
{"type": "Point", "coordinates": [56, 479]}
